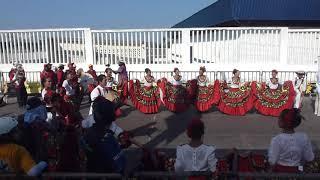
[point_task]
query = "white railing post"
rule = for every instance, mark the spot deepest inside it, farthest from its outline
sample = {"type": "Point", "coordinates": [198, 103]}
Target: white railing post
{"type": "Point", "coordinates": [284, 35]}
{"type": "Point", "coordinates": [88, 46]}
{"type": "Point", "coordinates": [185, 46]}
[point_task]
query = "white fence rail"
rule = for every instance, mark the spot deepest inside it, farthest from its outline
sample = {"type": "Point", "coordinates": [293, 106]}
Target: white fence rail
{"type": "Point", "coordinates": [259, 46]}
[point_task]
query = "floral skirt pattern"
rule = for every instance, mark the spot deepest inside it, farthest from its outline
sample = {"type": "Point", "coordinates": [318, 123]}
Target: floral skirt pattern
{"type": "Point", "coordinates": [145, 99]}
{"type": "Point", "coordinates": [271, 102]}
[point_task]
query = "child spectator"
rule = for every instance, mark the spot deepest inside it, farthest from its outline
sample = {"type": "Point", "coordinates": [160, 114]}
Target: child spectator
{"type": "Point", "coordinates": [289, 149]}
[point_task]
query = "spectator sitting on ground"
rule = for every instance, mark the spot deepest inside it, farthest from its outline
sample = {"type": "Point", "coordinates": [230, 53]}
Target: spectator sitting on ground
{"type": "Point", "coordinates": [104, 154]}
{"type": "Point", "coordinates": [15, 158]}
{"type": "Point", "coordinates": [290, 149]}
{"type": "Point", "coordinates": [195, 156]}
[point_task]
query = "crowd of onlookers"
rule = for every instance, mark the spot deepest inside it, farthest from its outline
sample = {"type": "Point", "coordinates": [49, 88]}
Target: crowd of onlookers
{"type": "Point", "coordinates": [53, 136]}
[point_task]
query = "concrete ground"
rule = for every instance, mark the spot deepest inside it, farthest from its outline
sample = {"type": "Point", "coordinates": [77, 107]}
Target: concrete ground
{"type": "Point", "coordinates": [167, 130]}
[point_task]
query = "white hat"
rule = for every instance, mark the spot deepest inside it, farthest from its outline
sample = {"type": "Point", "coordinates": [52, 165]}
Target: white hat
{"type": "Point", "coordinates": [7, 124]}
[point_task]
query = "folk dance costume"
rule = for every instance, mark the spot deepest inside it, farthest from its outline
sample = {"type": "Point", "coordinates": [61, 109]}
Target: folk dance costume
{"type": "Point", "coordinates": [146, 99]}
{"type": "Point", "coordinates": [272, 97]}
{"type": "Point", "coordinates": [300, 85]}
{"type": "Point", "coordinates": [175, 96]}
{"type": "Point", "coordinates": [236, 98]}
{"type": "Point", "coordinates": [206, 94]}
{"type": "Point", "coordinates": [122, 82]}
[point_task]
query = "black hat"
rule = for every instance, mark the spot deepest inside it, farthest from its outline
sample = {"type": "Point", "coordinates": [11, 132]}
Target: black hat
{"type": "Point", "coordinates": [33, 102]}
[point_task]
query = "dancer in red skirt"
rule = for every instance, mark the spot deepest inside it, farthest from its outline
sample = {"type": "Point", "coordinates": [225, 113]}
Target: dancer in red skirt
{"type": "Point", "coordinates": [146, 99]}
{"type": "Point", "coordinates": [175, 96]}
{"type": "Point", "coordinates": [206, 94]}
{"type": "Point", "coordinates": [272, 97]}
{"type": "Point", "coordinates": [236, 97]}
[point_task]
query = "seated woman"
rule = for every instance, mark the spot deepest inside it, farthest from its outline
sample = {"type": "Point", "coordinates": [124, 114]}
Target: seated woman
{"type": "Point", "coordinates": [206, 94]}
{"type": "Point", "coordinates": [272, 97]}
{"type": "Point", "coordinates": [175, 96]}
{"type": "Point", "coordinates": [146, 99]}
{"type": "Point", "coordinates": [236, 97]}
{"type": "Point", "coordinates": [195, 156]}
{"type": "Point", "coordinates": [15, 158]}
{"type": "Point", "coordinates": [290, 149]}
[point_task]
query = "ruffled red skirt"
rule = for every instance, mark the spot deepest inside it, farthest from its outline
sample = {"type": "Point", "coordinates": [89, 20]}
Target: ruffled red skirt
{"type": "Point", "coordinates": [145, 99]}
{"type": "Point", "coordinates": [206, 96]}
{"type": "Point", "coordinates": [123, 91]}
{"type": "Point", "coordinates": [175, 97]}
{"type": "Point", "coordinates": [271, 102]}
{"type": "Point", "coordinates": [236, 101]}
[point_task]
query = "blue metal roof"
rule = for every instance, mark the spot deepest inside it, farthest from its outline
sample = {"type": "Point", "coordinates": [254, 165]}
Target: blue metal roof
{"type": "Point", "coordinates": [224, 12]}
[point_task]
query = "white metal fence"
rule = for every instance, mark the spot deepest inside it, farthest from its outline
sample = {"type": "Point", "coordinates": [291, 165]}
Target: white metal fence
{"type": "Point", "coordinates": [259, 46]}
{"type": "Point", "coordinates": [259, 76]}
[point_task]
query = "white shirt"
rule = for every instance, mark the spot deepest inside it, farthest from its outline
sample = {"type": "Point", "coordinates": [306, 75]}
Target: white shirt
{"type": "Point", "coordinates": [176, 82]}
{"type": "Point", "coordinates": [290, 149]}
{"type": "Point", "coordinates": [43, 93]}
{"type": "Point", "coordinates": [201, 158]}
{"type": "Point", "coordinates": [97, 91]}
{"type": "Point", "coordinates": [89, 121]}
{"type": "Point", "coordinates": [69, 90]}
{"type": "Point", "coordinates": [111, 83]}
{"type": "Point", "coordinates": [300, 85]}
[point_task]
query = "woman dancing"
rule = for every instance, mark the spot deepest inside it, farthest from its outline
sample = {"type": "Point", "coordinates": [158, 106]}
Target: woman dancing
{"type": "Point", "coordinates": [206, 94]}
{"type": "Point", "coordinates": [175, 96]}
{"type": "Point", "coordinates": [236, 97]}
{"type": "Point", "coordinates": [272, 97]}
{"type": "Point", "coordinates": [146, 99]}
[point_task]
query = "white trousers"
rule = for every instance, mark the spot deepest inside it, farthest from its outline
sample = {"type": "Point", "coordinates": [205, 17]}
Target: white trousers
{"type": "Point", "coordinates": [297, 100]}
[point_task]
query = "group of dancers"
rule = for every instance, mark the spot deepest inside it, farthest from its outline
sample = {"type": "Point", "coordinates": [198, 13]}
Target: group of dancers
{"type": "Point", "coordinates": [233, 97]}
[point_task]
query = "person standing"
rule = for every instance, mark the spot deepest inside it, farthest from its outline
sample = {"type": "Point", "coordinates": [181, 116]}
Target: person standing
{"type": "Point", "coordinates": [122, 81]}
{"type": "Point", "coordinates": [48, 73]}
{"type": "Point", "coordinates": [21, 92]}
{"type": "Point", "coordinates": [300, 85]}
{"type": "Point", "coordinates": [60, 76]}
{"type": "Point", "coordinates": [100, 90]}
{"type": "Point", "coordinates": [92, 72]}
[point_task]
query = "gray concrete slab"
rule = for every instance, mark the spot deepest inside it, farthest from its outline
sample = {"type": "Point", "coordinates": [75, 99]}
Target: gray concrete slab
{"type": "Point", "coordinates": [167, 129]}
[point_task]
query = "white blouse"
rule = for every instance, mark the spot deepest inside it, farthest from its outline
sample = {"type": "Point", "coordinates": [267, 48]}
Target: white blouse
{"type": "Point", "coordinates": [146, 83]}
{"type": "Point", "coordinates": [201, 158]}
{"type": "Point", "coordinates": [69, 90]}
{"type": "Point", "coordinates": [175, 82]}
{"type": "Point", "coordinates": [234, 84]}
{"type": "Point", "coordinates": [111, 83]}
{"type": "Point", "coordinates": [290, 149]}
{"type": "Point", "coordinates": [203, 83]}
{"type": "Point", "coordinates": [271, 85]}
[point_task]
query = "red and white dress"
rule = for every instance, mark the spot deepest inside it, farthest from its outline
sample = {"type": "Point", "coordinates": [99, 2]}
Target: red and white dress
{"type": "Point", "coordinates": [206, 94]}
{"type": "Point", "coordinates": [174, 95]}
{"type": "Point", "coordinates": [272, 97]}
{"type": "Point", "coordinates": [145, 98]}
{"type": "Point", "coordinates": [235, 98]}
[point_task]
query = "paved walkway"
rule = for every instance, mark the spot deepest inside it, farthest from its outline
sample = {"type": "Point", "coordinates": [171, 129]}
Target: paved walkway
{"type": "Point", "coordinates": [167, 129]}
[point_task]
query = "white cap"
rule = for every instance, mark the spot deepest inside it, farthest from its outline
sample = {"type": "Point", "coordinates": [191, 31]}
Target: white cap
{"type": "Point", "coordinates": [7, 124]}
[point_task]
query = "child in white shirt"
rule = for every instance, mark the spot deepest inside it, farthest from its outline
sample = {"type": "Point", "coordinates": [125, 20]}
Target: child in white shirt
{"type": "Point", "coordinates": [289, 150]}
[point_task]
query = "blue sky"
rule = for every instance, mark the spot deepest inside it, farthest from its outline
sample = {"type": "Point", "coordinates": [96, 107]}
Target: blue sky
{"type": "Point", "coordinates": [96, 14]}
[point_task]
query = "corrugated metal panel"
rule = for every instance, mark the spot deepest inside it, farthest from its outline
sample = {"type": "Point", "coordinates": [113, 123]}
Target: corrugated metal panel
{"type": "Point", "coordinates": [254, 10]}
